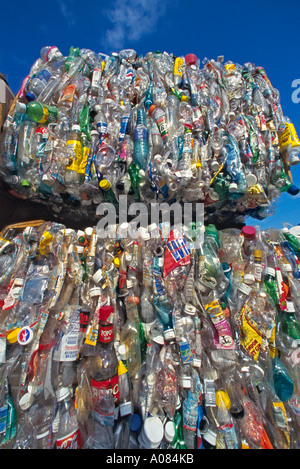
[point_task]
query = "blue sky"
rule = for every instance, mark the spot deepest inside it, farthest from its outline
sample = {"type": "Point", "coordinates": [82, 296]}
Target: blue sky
{"type": "Point", "coordinates": [263, 32]}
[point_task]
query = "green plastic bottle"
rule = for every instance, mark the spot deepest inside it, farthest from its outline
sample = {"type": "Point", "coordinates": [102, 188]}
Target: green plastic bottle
{"type": "Point", "coordinates": [73, 52]}
{"type": "Point", "coordinates": [109, 195]}
{"type": "Point", "coordinates": [39, 112]}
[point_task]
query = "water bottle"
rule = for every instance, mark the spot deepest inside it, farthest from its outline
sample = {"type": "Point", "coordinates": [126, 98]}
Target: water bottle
{"type": "Point", "coordinates": [141, 144]}
{"type": "Point", "coordinates": [67, 433]}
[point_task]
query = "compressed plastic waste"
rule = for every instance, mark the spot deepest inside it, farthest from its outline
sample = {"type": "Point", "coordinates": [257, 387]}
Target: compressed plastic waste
{"type": "Point", "coordinates": [149, 342]}
{"type": "Point", "coordinates": [89, 127]}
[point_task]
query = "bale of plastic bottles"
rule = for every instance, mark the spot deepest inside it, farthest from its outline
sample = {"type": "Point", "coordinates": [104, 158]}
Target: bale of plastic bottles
{"type": "Point", "coordinates": [149, 341]}
{"type": "Point", "coordinates": [89, 127]}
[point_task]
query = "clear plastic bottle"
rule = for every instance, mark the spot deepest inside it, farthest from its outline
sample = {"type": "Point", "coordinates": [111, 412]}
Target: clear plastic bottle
{"type": "Point", "coordinates": [141, 144]}
{"type": "Point", "coordinates": [67, 433]}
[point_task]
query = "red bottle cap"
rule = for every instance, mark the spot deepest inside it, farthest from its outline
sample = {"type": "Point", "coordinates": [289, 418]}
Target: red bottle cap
{"type": "Point", "coordinates": [248, 232]}
{"type": "Point", "coordinates": [191, 59]}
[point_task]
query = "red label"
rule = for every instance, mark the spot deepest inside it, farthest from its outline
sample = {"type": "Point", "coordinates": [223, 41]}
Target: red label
{"type": "Point", "coordinates": [72, 441]}
{"type": "Point", "coordinates": [111, 385]}
{"type": "Point", "coordinates": [106, 333]}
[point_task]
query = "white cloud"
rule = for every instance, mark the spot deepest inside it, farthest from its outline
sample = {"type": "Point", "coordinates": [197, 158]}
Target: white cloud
{"type": "Point", "coordinates": [67, 12]}
{"type": "Point", "coordinates": [131, 20]}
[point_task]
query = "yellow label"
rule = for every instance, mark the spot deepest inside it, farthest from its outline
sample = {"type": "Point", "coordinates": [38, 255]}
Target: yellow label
{"type": "Point", "coordinates": [289, 136]}
{"type": "Point", "coordinates": [77, 151]}
{"type": "Point", "coordinates": [279, 409]}
{"type": "Point", "coordinates": [92, 336]}
{"type": "Point", "coordinates": [46, 240]}
{"type": "Point", "coordinates": [178, 66]}
{"type": "Point", "coordinates": [214, 308]}
{"type": "Point", "coordinates": [83, 163]}
{"type": "Point", "coordinates": [45, 116]}
{"type": "Point", "coordinates": [272, 343]}
{"type": "Point", "coordinates": [251, 337]}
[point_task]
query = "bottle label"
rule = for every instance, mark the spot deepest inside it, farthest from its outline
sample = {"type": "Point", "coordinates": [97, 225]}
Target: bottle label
{"type": "Point", "coordinates": [162, 127]}
{"type": "Point", "coordinates": [45, 116]}
{"type": "Point", "coordinates": [186, 354]}
{"type": "Point", "coordinates": [177, 253]}
{"type": "Point", "coordinates": [67, 348]}
{"type": "Point", "coordinates": [102, 130]}
{"type": "Point", "coordinates": [77, 152]}
{"type": "Point", "coordinates": [178, 66]}
{"type": "Point", "coordinates": [111, 385]}
{"type": "Point", "coordinates": [3, 418]}
{"type": "Point", "coordinates": [294, 403]}
{"type": "Point", "coordinates": [84, 320]}
{"type": "Point", "coordinates": [224, 339]}
{"type": "Point", "coordinates": [141, 133]}
{"type": "Point", "coordinates": [71, 441]}
{"type": "Point", "coordinates": [251, 337]}
{"type": "Point", "coordinates": [289, 136]}
{"type": "Point", "coordinates": [106, 333]}
{"type": "Point", "coordinates": [68, 94]}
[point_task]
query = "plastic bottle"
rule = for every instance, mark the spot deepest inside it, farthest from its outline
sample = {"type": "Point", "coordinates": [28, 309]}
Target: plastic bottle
{"type": "Point", "coordinates": [190, 411]}
{"type": "Point", "coordinates": [67, 433]}
{"type": "Point", "coordinates": [39, 112]}
{"type": "Point", "coordinates": [159, 117]}
{"type": "Point", "coordinates": [141, 145]}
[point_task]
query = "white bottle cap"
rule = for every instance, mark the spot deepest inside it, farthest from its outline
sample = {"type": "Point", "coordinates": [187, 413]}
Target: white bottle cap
{"type": "Point", "coordinates": [169, 431]}
{"type": "Point", "coordinates": [152, 433]}
{"type": "Point", "coordinates": [249, 279]}
{"type": "Point", "coordinates": [26, 401]}
{"type": "Point", "coordinates": [75, 127]}
{"type": "Point", "coordinates": [97, 276]}
{"type": "Point", "coordinates": [89, 231]}
{"type": "Point", "coordinates": [214, 165]}
{"type": "Point", "coordinates": [62, 393]}
{"type": "Point", "coordinates": [190, 309]}
{"type": "Point", "coordinates": [123, 230]}
{"type": "Point", "coordinates": [251, 180]}
{"type": "Point", "coordinates": [232, 187]}
{"type": "Point", "coordinates": [294, 159]}
{"type": "Point", "coordinates": [95, 291]}
{"type": "Point", "coordinates": [123, 351]}
{"type": "Point", "coordinates": [169, 334]}
{"type": "Point", "coordinates": [126, 408]}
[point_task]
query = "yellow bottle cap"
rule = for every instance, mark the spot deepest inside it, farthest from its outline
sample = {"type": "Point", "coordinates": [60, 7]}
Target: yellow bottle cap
{"type": "Point", "coordinates": [184, 98]}
{"type": "Point", "coordinates": [222, 398]}
{"type": "Point", "coordinates": [229, 67]}
{"type": "Point", "coordinates": [105, 185]}
{"type": "Point", "coordinates": [12, 336]}
{"type": "Point", "coordinates": [117, 261]}
{"type": "Point", "coordinates": [121, 368]}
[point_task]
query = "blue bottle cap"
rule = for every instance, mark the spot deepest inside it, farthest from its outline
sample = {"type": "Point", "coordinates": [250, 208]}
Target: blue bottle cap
{"type": "Point", "coordinates": [293, 190]}
{"type": "Point", "coordinates": [30, 96]}
{"type": "Point", "coordinates": [135, 423]}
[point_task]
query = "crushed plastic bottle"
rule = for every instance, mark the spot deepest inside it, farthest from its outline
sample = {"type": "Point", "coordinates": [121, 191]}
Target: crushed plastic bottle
{"type": "Point", "coordinates": [218, 125]}
{"type": "Point", "coordinates": [111, 355]}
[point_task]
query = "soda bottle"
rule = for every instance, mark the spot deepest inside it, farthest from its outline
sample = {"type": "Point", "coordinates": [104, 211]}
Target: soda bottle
{"type": "Point", "coordinates": [39, 112]}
